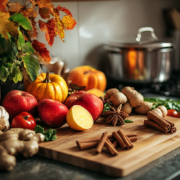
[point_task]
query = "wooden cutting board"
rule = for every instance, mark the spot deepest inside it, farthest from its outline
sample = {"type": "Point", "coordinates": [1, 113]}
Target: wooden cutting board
{"type": "Point", "coordinates": [151, 145]}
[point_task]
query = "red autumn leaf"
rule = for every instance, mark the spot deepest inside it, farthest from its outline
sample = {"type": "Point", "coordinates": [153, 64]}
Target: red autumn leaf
{"type": "Point", "coordinates": [63, 9]}
{"type": "Point", "coordinates": [44, 13]}
{"type": "Point", "coordinates": [41, 50]}
{"type": "Point", "coordinates": [14, 7]}
{"type": "Point", "coordinates": [55, 25]}
{"type": "Point", "coordinates": [69, 22]}
{"type": "Point", "coordinates": [3, 6]}
{"type": "Point", "coordinates": [50, 30]}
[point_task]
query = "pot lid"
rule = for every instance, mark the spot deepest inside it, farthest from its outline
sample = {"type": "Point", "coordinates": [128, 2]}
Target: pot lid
{"type": "Point", "coordinates": [152, 44]}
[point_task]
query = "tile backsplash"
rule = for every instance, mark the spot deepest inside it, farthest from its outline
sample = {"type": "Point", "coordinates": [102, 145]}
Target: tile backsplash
{"type": "Point", "coordinates": [101, 21]}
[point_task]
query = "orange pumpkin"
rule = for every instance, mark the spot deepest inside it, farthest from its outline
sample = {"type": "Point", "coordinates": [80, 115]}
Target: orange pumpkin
{"type": "Point", "coordinates": [89, 77]}
{"type": "Point", "coordinates": [48, 86]}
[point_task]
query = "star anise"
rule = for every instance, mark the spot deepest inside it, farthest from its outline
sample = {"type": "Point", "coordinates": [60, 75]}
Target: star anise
{"type": "Point", "coordinates": [115, 116]}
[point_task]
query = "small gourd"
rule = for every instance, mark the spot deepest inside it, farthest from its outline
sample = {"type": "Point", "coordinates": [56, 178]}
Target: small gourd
{"type": "Point", "coordinates": [4, 119]}
{"type": "Point", "coordinates": [48, 86]}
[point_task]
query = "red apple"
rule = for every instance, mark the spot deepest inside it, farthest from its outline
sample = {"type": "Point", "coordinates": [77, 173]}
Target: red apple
{"type": "Point", "coordinates": [17, 101]}
{"type": "Point", "coordinates": [89, 101]}
{"type": "Point", "coordinates": [52, 112]}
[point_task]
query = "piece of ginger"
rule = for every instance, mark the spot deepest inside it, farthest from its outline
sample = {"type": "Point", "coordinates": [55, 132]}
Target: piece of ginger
{"type": "Point", "coordinates": [17, 141]}
{"type": "Point", "coordinates": [134, 97]}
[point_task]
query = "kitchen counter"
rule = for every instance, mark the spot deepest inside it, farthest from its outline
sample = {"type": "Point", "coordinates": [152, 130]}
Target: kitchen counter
{"type": "Point", "coordinates": [38, 168]}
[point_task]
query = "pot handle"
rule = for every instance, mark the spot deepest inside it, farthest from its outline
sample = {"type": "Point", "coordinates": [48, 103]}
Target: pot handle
{"type": "Point", "coordinates": [143, 29]}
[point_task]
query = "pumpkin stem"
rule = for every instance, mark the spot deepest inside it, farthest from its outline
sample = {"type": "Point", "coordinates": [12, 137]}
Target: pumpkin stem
{"type": "Point", "coordinates": [86, 72]}
{"type": "Point", "coordinates": [47, 77]}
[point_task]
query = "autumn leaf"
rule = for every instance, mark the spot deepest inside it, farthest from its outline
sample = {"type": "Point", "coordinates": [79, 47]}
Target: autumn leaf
{"type": "Point", "coordinates": [63, 9]}
{"type": "Point", "coordinates": [14, 7]}
{"type": "Point", "coordinates": [3, 6]}
{"type": "Point", "coordinates": [68, 22]}
{"type": "Point", "coordinates": [45, 3]}
{"type": "Point", "coordinates": [7, 26]}
{"type": "Point", "coordinates": [59, 24]}
{"type": "Point", "coordinates": [50, 30]}
{"type": "Point", "coordinates": [44, 13]}
{"type": "Point", "coordinates": [29, 13]}
{"type": "Point", "coordinates": [41, 49]}
{"type": "Point", "coordinates": [42, 3]}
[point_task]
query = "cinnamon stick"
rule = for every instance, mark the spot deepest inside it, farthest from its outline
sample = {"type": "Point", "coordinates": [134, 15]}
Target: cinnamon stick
{"type": "Point", "coordinates": [131, 135]}
{"type": "Point", "coordinates": [110, 147]}
{"type": "Point", "coordinates": [119, 140]}
{"type": "Point", "coordinates": [84, 142]}
{"type": "Point", "coordinates": [154, 125]}
{"type": "Point", "coordinates": [110, 136]}
{"type": "Point", "coordinates": [173, 130]}
{"type": "Point", "coordinates": [89, 140]}
{"type": "Point", "coordinates": [172, 124]}
{"type": "Point", "coordinates": [133, 139]}
{"type": "Point", "coordinates": [125, 139]}
{"type": "Point", "coordinates": [115, 143]}
{"type": "Point", "coordinates": [128, 135]}
{"type": "Point", "coordinates": [159, 120]}
{"type": "Point", "coordinates": [86, 145]}
{"type": "Point", "coordinates": [102, 142]}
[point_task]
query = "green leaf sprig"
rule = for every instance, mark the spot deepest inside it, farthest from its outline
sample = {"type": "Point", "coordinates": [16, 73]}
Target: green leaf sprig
{"type": "Point", "coordinates": [168, 103]}
{"type": "Point", "coordinates": [128, 121]}
{"type": "Point", "coordinates": [50, 134]}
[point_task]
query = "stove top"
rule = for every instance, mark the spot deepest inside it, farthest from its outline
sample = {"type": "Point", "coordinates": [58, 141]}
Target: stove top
{"type": "Point", "coordinates": [168, 89]}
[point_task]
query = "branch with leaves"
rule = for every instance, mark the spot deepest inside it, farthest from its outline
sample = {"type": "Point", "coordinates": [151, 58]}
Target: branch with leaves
{"type": "Point", "coordinates": [20, 51]}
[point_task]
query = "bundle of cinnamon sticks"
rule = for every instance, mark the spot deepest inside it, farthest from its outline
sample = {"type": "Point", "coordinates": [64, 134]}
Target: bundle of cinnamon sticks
{"type": "Point", "coordinates": [110, 142]}
{"type": "Point", "coordinates": [159, 123]}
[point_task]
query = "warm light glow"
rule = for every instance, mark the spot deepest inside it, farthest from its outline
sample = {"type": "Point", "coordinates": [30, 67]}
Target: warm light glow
{"type": "Point", "coordinates": [141, 61]}
{"type": "Point", "coordinates": [132, 58]}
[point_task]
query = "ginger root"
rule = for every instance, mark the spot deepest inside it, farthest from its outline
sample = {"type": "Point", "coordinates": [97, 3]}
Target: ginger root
{"type": "Point", "coordinates": [110, 92]}
{"type": "Point", "coordinates": [127, 108]}
{"type": "Point", "coordinates": [160, 111]}
{"type": "Point", "coordinates": [134, 98]}
{"type": "Point", "coordinates": [163, 110]}
{"type": "Point", "coordinates": [118, 98]}
{"type": "Point", "coordinates": [15, 141]}
{"type": "Point", "coordinates": [144, 108]}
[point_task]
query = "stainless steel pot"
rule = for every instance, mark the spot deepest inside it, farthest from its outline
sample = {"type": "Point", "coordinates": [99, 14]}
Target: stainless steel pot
{"type": "Point", "coordinates": [139, 61]}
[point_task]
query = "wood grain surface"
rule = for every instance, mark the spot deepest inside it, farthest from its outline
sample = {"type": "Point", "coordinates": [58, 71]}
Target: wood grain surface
{"type": "Point", "coordinates": [151, 145]}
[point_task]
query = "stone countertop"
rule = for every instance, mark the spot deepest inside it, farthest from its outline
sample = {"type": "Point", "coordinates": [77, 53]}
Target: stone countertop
{"type": "Point", "coordinates": [40, 168]}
